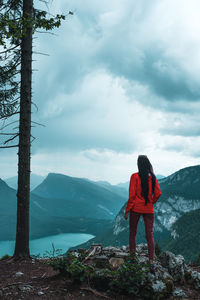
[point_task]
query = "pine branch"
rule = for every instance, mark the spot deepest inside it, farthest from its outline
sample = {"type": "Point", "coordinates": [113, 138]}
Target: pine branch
{"type": "Point", "coordinates": [11, 139]}
{"type": "Point", "coordinates": [5, 147]}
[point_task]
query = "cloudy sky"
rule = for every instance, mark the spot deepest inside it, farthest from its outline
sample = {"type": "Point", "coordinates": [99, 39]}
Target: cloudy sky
{"type": "Point", "coordinates": [121, 79]}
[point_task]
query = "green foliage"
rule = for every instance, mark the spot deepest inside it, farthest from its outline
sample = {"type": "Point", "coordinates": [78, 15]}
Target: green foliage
{"type": "Point", "coordinates": [14, 26]}
{"type": "Point", "coordinates": [129, 278]}
{"type": "Point", "coordinates": [6, 256]}
{"type": "Point", "coordinates": [72, 267]}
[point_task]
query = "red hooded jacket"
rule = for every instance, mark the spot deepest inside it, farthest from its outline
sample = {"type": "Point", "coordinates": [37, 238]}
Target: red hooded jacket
{"type": "Point", "coordinates": [136, 201]}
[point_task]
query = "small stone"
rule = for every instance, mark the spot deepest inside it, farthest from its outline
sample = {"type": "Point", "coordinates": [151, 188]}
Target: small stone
{"type": "Point", "coordinates": [143, 259]}
{"type": "Point", "coordinates": [124, 248]}
{"type": "Point", "coordinates": [40, 293]}
{"type": "Point", "coordinates": [19, 274]}
{"type": "Point", "coordinates": [141, 248]}
{"type": "Point", "coordinates": [158, 286]}
{"type": "Point", "coordinates": [101, 257]}
{"type": "Point", "coordinates": [25, 288]}
{"type": "Point", "coordinates": [115, 262]}
{"type": "Point", "coordinates": [112, 249]}
{"type": "Point", "coordinates": [94, 250]}
{"type": "Point", "coordinates": [151, 276]}
{"type": "Point", "coordinates": [179, 293]}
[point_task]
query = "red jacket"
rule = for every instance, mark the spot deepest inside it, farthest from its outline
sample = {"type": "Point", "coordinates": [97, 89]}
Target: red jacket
{"type": "Point", "coordinates": [136, 201]}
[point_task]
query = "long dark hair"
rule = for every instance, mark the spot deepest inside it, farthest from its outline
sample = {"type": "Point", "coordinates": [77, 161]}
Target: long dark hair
{"type": "Point", "coordinates": [145, 168]}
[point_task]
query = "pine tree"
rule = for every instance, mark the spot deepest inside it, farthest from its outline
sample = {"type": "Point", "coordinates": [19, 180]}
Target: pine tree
{"type": "Point", "coordinates": [18, 22]}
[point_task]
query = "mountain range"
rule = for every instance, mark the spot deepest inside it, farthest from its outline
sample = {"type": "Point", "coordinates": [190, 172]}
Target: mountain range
{"type": "Point", "coordinates": [78, 197]}
{"type": "Point", "coordinates": [61, 204]}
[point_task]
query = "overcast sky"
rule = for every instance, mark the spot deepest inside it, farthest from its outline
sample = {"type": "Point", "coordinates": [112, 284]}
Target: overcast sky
{"type": "Point", "coordinates": [121, 79]}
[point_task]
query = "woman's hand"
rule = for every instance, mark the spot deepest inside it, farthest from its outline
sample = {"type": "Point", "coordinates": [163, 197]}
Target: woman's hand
{"type": "Point", "coordinates": [126, 216]}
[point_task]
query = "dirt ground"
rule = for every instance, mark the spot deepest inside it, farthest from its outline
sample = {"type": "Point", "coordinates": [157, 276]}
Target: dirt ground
{"type": "Point", "coordinates": [33, 279]}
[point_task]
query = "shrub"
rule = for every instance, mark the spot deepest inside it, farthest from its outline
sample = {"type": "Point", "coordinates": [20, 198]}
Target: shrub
{"type": "Point", "coordinates": [6, 256]}
{"type": "Point", "coordinates": [72, 267]}
{"type": "Point", "coordinates": [129, 278]}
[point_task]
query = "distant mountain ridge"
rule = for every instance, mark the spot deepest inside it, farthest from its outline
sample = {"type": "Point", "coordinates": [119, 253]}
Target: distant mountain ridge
{"type": "Point", "coordinates": [35, 181]}
{"type": "Point", "coordinates": [79, 197]}
{"type": "Point", "coordinates": [125, 185]}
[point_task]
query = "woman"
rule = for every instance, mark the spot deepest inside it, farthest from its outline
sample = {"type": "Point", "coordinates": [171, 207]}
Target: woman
{"type": "Point", "coordinates": [144, 191]}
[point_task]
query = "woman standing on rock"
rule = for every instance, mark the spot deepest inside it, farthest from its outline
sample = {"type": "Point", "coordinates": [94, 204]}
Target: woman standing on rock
{"type": "Point", "coordinates": [144, 191]}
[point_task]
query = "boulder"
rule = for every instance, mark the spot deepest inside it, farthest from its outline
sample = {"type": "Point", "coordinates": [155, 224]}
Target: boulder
{"type": "Point", "coordinates": [174, 264]}
{"type": "Point", "coordinates": [179, 293]}
{"type": "Point", "coordinates": [193, 278]}
{"type": "Point", "coordinates": [158, 286]}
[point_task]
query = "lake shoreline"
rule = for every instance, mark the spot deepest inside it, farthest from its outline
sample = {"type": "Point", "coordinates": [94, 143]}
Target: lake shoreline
{"type": "Point", "coordinates": [49, 244]}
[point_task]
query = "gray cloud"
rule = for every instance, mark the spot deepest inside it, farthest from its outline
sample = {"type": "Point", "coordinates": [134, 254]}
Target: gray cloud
{"type": "Point", "coordinates": [146, 62]}
{"type": "Point", "coordinates": [182, 130]}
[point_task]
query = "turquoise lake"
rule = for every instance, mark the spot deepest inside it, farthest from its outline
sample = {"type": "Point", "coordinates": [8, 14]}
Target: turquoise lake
{"type": "Point", "coordinates": [42, 245]}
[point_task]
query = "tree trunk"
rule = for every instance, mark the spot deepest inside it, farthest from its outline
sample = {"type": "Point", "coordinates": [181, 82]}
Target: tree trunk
{"type": "Point", "coordinates": [23, 192]}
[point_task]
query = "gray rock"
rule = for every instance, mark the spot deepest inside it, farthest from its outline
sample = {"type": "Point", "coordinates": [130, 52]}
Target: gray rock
{"type": "Point", "coordinates": [158, 286]}
{"type": "Point", "coordinates": [143, 259]}
{"type": "Point", "coordinates": [194, 278]}
{"type": "Point", "coordinates": [142, 248]}
{"type": "Point", "coordinates": [179, 293]}
{"type": "Point", "coordinates": [166, 275]}
{"type": "Point", "coordinates": [101, 257]}
{"type": "Point", "coordinates": [174, 264]}
{"type": "Point", "coordinates": [124, 248]}
{"type": "Point", "coordinates": [121, 254]}
{"type": "Point", "coordinates": [112, 249]}
{"type": "Point", "coordinates": [40, 293]}
{"type": "Point", "coordinates": [151, 277]}
{"type": "Point", "coordinates": [115, 262]}
{"type": "Point", "coordinates": [18, 274]}
{"type": "Point", "coordinates": [25, 288]}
